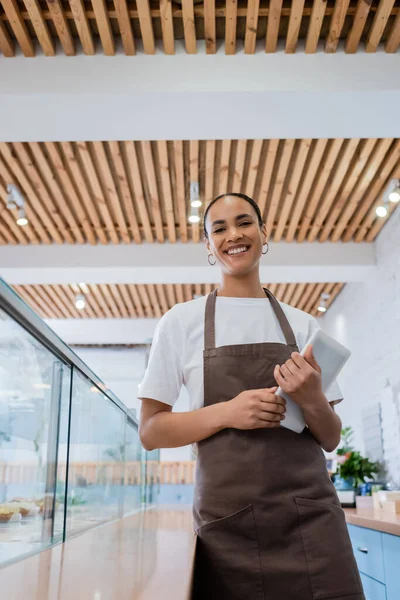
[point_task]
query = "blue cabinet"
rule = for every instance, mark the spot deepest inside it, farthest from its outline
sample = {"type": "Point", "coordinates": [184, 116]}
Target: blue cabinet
{"type": "Point", "coordinates": [391, 557]}
{"type": "Point", "coordinates": [367, 548]}
{"type": "Point", "coordinates": [373, 590]}
{"type": "Point", "coordinates": [378, 558]}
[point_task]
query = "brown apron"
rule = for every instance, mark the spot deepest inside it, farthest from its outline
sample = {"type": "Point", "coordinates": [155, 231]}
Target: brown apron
{"type": "Point", "coordinates": [268, 520]}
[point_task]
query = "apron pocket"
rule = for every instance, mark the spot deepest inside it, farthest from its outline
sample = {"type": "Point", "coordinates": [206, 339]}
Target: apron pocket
{"type": "Point", "coordinates": [227, 558]}
{"type": "Point", "coordinates": [331, 564]}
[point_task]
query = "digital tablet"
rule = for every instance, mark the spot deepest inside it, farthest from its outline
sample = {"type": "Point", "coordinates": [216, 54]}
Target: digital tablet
{"type": "Point", "coordinates": [331, 357]}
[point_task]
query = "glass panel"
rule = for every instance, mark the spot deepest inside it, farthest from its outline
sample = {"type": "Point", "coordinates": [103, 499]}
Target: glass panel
{"type": "Point", "coordinates": [96, 457]}
{"type": "Point", "coordinates": [132, 489]}
{"type": "Point", "coordinates": [32, 381]}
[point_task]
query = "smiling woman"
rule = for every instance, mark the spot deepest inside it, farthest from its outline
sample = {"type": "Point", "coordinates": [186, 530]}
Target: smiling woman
{"type": "Point", "coordinates": [261, 489]}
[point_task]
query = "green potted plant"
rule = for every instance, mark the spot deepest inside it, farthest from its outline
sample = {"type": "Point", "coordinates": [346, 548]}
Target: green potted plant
{"type": "Point", "coordinates": [354, 469]}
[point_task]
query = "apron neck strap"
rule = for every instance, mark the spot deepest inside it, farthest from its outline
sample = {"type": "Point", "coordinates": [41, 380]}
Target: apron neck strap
{"type": "Point", "coordinates": [209, 323]}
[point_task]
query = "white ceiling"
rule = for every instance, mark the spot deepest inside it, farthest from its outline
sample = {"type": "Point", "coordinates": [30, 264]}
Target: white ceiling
{"type": "Point", "coordinates": [199, 96]}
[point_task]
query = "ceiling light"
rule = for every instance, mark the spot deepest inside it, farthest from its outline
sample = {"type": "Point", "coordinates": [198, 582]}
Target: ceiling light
{"type": "Point", "coordinates": [394, 195]}
{"type": "Point", "coordinates": [194, 219]}
{"type": "Point", "coordinates": [195, 201]}
{"type": "Point", "coordinates": [22, 220]}
{"type": "Point", "coordinates": [80, 302]}
{"type": "Point", "coordinates": [322, 303]}
{"type": "Point", "coordinates": [381, 211]}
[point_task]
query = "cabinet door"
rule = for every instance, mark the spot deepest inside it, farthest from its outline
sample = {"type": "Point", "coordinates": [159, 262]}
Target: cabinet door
{"type": "Point", "coordinates": [367, 548]}
{"type": "Point", "coordinates": [373, 590]}
{"type": "Point", "coordinates": [391, 554]}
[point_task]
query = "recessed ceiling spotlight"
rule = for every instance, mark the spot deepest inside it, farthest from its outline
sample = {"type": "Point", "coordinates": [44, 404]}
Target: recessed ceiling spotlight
{"type": "Point", "coordinates": [381, 211]}
{"type": "Point", "coordinates": [16, 200]}
{"type": "Point", "coordinates": [394, 195]}
{"type": "Point", "coordinates": [322, 303]}
{"type": "Point", "coordinates": [80, 301]}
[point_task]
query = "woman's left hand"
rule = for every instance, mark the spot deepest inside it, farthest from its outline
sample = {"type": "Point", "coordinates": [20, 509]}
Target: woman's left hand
{"type": "Point", "coordinates": [300, 378]}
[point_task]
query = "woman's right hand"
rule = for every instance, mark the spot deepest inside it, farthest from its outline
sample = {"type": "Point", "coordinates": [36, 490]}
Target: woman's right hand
{"type": "Point", "coordinates": [255, 409]}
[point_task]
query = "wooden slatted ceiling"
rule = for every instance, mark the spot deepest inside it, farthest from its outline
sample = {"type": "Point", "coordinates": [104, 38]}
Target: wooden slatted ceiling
{"type": "Point", "coordinates": [151, 301]}
{"type": "Point", "coordinates": [71, 25]}
{"type": "Point", "coordinates": [129, 192]}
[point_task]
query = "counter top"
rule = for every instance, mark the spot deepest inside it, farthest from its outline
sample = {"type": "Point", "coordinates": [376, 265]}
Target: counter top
{"type": "Point", "coordinates": [146, 556]}
{"type": "Point", "coordinates": [374, 519]}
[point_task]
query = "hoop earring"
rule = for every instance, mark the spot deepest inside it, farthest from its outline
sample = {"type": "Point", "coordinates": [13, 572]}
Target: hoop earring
{"type": "Point", "coordinates": [211, 264]}
{"type": "Point", "coordinates": [266, 244]}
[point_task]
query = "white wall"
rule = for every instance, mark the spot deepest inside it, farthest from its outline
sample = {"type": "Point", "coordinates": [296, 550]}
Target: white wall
{"type": "Point", "coordinates": [366, 319]}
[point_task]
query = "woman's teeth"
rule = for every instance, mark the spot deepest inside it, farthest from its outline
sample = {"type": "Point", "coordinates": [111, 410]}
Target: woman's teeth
{"type": "Point", "coordinates": [237, 250]}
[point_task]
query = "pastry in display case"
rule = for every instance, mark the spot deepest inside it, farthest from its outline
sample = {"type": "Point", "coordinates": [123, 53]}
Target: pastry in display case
{"type": "Point", "coordinates": [9, 512]}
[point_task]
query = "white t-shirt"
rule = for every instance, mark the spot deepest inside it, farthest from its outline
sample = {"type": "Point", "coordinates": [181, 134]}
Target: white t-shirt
{"type": "Point", "coordinates": [176, 355]}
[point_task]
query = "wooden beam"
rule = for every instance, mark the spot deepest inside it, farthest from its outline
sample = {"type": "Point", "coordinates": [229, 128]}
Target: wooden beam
{"type": "Point", "coordinates": [314, 28]}
{"type": "Point", "coordinates": [224, 167]}
{"type": "Point", "coordinates": [71, 195]}
{"type": "Point", "coordinates": [272, 207]}
{"type": "Point", "coordinates": [97, 191]}
{"type": "Point", "coordinates": [349, 219]}
{"type": "Point", "coordinates": [319, 184]}
{"type": "Point", "coordinates": [125, 27]}
{"type": "Point", "coordinates": [123, 290]}
{"type": "Point", "coordinates": [85, 197]}
{"type": "Point", "coordinates": [18, 26]}
{"type": "Point", "coordinates": [317, 154]}
{"type": "Point", "coordinates": [137, 187]}
{"type": "Point", "coordinates": [292, 36]}
{"type": "Point", "coordinates": [393, 41]}
{"type": "Point", "coordinates": [210, 26]}
{"type": "Point", "coordinates": [379, 23]}
{"type": "Point", "coordinates": [274, 19]}
{"type": "Point", "coordinates": [194, 176]}
{"type": "Point", "coordinates": [253, 167]}
{"type": "Point", "coordinates": [189, 27]}
{"type": "Point", "coordinates": [290, 198]}
{"type": "Point", "coordinates": [104, 27]}
{"type": "Point", "coordinates": [110, 191]}
{"type": "Point", "coordinates": [150, 183]}
{"type": "Point", "coordinates": [7, 47]}
{"type": "Point", "coordinates": [346, 188]}
{"type": "Point", "coordinates": [82, 26]}
{"type": "Point", "coordinates": [359, 20]}
{"type": "Point", "coordinates": [180, 190]}
{"type": "Point", "coordinates": [146, 26]}
{"type": "Point", "coordinates": [166, 187]}
{"type": "Point", "coordinates": [250, 39]}
{"type": "Point", "coordinates": [125, 192]}
{"type": "Point", "coordinates": [337, 22]}
{"type": "Point", "coordinates": [13, 233]}
{"type": "Point", "coordinates": [34, 208]}
{"type": "Point", "coordinates": [49, 208]}
{"type": "Point", "coordinates": [209, 172]}
{"type": "Point", "coordinates": [62, 27]}
{"type": "Point", "coordinates": [52, 185]}
{"type": "Point", "coordinates": [272, 152]}
{"type": "Point", "coordinates": [230, 26]}
{"type": "Point", "coordinates": [360, 223]}
{"type": "Point", "coordinates": [238, 173]}
{"type": "Point", "coordinates": [10, 216]}
{"type": "Point", "coordinates": [330, 192]}
{"type": "Point", "coordinates": [167, 26]}
{"type": "Point", "coordinates": [40, 27]}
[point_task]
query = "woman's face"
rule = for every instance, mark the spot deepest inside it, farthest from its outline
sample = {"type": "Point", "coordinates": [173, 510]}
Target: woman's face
{"type": "Point", "coordinates": [234, 235]}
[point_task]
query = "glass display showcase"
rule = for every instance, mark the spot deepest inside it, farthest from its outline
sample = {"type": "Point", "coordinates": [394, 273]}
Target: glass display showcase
{"type": "Point", "coordinates": [70, 455]}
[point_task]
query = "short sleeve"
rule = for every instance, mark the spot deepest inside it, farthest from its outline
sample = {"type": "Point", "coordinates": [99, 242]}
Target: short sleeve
{"type": "Point", "coordinates": [164, 374]}
{"type": "Point", "coordinates": [333, 393]}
